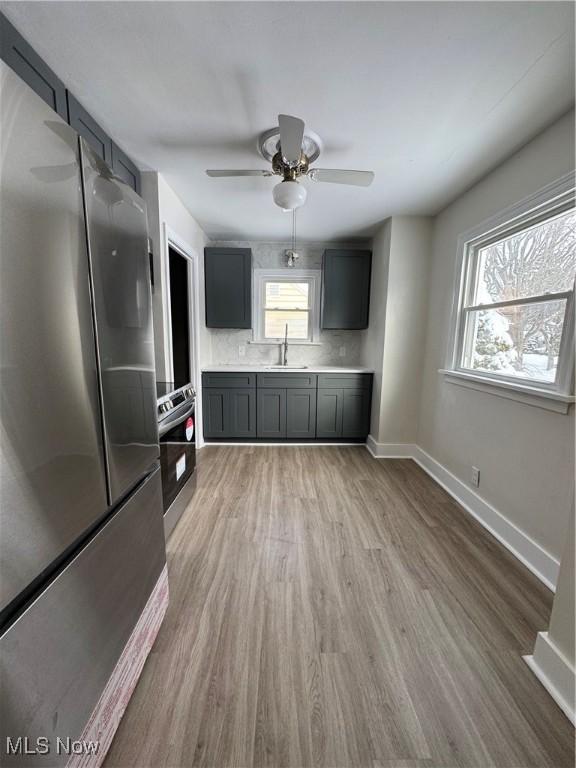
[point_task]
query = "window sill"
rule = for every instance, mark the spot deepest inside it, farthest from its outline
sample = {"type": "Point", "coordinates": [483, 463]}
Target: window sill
{"type": "Point", "coordinates": [540, 398]}
{"type": "Point", "coordinates": [291, 343]}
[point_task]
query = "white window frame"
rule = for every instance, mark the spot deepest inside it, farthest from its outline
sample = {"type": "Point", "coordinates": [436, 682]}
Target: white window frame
{"type": "Point", "coordinates": [261, 277]}
{"type": "Point", "coordinates": [550, 201]}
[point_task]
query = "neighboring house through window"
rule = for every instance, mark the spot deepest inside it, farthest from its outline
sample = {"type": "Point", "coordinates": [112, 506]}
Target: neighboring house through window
{"type": "Point", "coordinates": [286, 298]}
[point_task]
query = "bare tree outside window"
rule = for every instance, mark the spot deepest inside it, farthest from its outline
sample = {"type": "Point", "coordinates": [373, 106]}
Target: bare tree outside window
{"type": "Point", "coordinates": [522, 275]}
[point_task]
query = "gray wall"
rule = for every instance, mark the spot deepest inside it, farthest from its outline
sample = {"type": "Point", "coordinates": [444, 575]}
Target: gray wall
{"type": "Point", "coordinates": [224, 344]}
{"type": "Point", "coordinates": [525, 454]}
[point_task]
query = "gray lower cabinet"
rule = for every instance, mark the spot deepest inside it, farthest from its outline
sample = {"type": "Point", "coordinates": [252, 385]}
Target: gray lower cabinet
{"type": "Point", "coordinates": [229, 412]}
{"type": "Point", "coordinates": [271, 409]}
{"type": "Point", "coordinates": [286, 406]}
{"type": "Point", "coordinates": [301, 414]}
{"type": "Point", "coordinates": [329, 413]}
{"type": "Point", "coordinates": [343, 406]}
{"type": "Point", "coordinates": [356, 412]}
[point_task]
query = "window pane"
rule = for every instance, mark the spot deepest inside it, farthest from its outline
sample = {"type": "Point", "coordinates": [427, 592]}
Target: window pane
{"type": "Point", "coordinates": [538, 260]}
{"type": "Point", "coordinates": [522, 340]}
{"type": "Point", "coordinates": [284, 295]}
{"type": "Point", "coordinates": [275, 323]}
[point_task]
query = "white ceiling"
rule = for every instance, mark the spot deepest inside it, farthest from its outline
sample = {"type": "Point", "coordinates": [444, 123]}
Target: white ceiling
{"type": "Point", "coordinates": [428, 95]}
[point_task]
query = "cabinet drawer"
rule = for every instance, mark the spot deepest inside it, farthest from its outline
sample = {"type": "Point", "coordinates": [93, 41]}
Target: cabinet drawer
{"type": "Point", "coordinates": [287, 380]}
{"type": "Point", "coordinates": [344, 381]}
{"type": "Point", "coordinates": [233, 379]}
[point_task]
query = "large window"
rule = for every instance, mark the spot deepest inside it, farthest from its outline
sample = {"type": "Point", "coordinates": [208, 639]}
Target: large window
{"type": "Point", "coordinates": [515, 314]}
{"type": "Point", "coordinates": [286, 299]}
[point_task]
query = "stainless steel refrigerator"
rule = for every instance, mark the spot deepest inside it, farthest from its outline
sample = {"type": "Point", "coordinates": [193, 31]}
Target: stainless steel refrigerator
{"type": "Point", "coordinates": [81, 532]}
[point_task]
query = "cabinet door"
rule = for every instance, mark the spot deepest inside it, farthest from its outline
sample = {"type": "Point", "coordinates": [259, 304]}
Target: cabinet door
{"type": "Point", "coordinates": [89, 129]}
{"type": "Point", "coordinates": [356, 413]}
{"type": "Point", "coordinates": [125, 169]}
{"type": "Point", "coordinates": [329, 413]}
{"type": "Point", "coordinates": [346, 289]}
{"type": "Point", "coordinates": [215, 409]}
{"type": "Point", "coordinates": [228, 285]}
{"type": "Point", "coordinates": [242, 413]}
{"type": "Point", "coordinates": [271, 413]}
{"type": "Point", "coordinates": [301, 413]}
{"type": "Point", "coordinates": [24, 60]}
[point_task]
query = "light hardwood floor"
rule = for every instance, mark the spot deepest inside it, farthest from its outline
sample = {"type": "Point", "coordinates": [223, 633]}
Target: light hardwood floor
{"type": "Point", "coordinates": [329, 609]}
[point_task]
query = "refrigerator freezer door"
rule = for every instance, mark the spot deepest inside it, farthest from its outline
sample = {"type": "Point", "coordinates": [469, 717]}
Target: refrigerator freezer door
{"type": "Point", "coordinates": [52, 478]}
{"type": "Point", "coordinates": [57, 657]}
{"type": "Point", "coordinates": [119, 262]}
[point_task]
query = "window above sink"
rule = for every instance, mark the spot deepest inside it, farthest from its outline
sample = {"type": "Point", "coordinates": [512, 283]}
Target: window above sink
{"type": "Point", "coordinates": [286, 297]}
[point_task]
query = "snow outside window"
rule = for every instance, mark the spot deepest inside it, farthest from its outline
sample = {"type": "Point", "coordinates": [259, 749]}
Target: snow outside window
{"type": "Point", "coordinates": [515, 320]}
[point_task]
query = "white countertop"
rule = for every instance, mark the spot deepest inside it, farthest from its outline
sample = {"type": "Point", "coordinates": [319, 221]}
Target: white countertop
{"type": "Point", "coordinates": [255, 368]}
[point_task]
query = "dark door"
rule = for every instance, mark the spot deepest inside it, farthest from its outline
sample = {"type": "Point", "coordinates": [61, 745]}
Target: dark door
{"type": "Point", "coordinates": [346, 289]}
{"type": "Point", "coordinates": [242, 412]}
{"type": "Point", "coordinates": [329, 413]}
{"type": "Point", "coordinates": [356, 413]}
{"type": "Point", "coordinates": [216, 408]}
{"type": "Point", "coordinates": [118, 251]}
{"type": "Point", "coordinates": [301, 413]}
{"type": "Point", "coordinates": [272, 413]}
{"type": "Point", "coordinates": [228, 283]}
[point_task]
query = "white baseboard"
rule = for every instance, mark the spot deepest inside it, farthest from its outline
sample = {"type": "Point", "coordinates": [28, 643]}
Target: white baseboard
{"type": "Point", "coordinates": [535, 558]}
{"type": "Point", "coordinates": [555, 672]}
{"type": "Point", "coordinates": [390, 450]}
{"type": "Point", "coordinates": [530, 553]}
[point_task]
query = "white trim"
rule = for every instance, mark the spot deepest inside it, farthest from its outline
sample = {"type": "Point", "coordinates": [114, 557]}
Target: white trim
{"type": "Point", "coordinates": [171, 238]}
{"type": "Point", "coordinates": [529, 552]}
{"type": "Point", "coordinates": [280, 444]}
{"type": "Point", "coordinates": [539, 206]}
{"type": "Point", "coordinates": [540, 562]}
{"type": "Point", "coordinates": [540, 398]}
{"type": "Point", "coordinates": [312, 276]}
{"type": "Point", "coordinates": [390, 450]}
{"type": "Point", "coordinates": [555, 672]}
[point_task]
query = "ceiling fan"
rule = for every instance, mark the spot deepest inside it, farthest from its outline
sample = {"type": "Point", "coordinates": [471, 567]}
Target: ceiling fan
{"type": "Point", "coordinates": [291, 151]}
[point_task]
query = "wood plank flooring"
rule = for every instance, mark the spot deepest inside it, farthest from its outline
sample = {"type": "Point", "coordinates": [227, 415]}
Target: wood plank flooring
{"type": "Point", "coordinates": [329, 609]}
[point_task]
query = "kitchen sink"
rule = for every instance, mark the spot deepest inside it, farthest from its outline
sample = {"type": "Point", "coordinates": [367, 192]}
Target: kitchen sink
{"type": "Point", "coordinates": [286, 367]}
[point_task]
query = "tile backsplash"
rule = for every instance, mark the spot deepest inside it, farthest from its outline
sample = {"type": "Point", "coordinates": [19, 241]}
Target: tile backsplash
{"type": "Point", "coordinates": [334, 348]}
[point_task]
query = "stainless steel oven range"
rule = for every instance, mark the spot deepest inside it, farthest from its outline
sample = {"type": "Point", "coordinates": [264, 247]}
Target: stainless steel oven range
{"type": "Point", "coordinates": [177, 431]}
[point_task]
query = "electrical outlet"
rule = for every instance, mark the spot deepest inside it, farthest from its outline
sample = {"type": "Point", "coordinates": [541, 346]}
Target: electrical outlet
{"type": "Point", "coordinates": [342, 352]}
{"type": "Point", "coordinates": [475, 477]}
{"type": "Point", "coordinates": [242, 350]}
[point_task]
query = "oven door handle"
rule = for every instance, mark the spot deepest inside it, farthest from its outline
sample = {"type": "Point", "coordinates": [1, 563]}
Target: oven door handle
{"type": "Point", "coordinates": [174, 420]}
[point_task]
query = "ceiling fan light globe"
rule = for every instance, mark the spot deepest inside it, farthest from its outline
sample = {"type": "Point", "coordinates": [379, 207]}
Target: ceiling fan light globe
{"type": "Point", "coordinates": [289, 195]}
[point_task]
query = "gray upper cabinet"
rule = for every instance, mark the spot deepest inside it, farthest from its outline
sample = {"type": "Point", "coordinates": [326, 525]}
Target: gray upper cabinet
{"type": "Point", "coordinates": [24, 60]}
{"type": "Point", "coordinates": [346, 289]}
{"type": "Point", "coordinates": [87, 127]}
{"type": "Point", "coordinates": [125, 169]}
{"type": "Point", "coordinates": [228, 284]}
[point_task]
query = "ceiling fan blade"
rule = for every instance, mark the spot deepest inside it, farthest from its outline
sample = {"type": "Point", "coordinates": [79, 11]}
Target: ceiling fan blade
{"type": "Point", "coordinates": [291, 137]}
{"type": "Point", "coordinates": [337, 176]}
{"type": "Point", "coordinates": [229, 173]}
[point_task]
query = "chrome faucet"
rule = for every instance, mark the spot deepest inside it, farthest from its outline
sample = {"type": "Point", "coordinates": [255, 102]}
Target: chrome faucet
{"type": "Point", "coordinates": [285, 346]}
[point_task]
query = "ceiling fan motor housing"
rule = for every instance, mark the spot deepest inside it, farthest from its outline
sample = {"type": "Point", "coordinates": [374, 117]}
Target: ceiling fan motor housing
{"type": "Point", "coordinates": [290, 173]}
